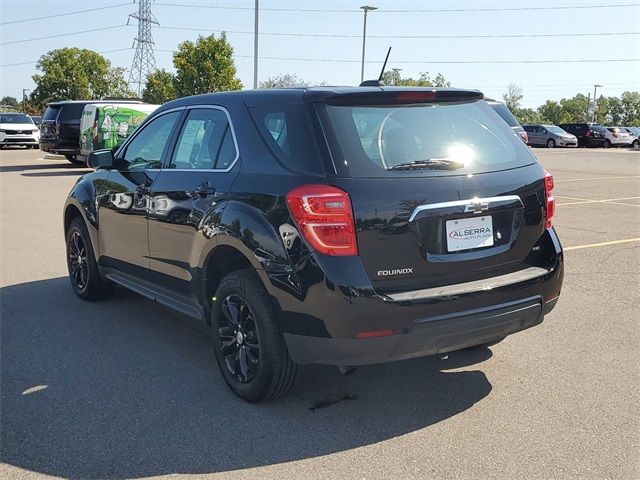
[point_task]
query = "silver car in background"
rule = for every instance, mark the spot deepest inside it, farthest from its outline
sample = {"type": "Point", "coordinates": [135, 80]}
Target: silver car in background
{"type": "Point", "coordinates": [616, 137]}
{"type": "Point", "coordinates": [549, 136]}
{"type": "Point", "coordinates": [634, 135]}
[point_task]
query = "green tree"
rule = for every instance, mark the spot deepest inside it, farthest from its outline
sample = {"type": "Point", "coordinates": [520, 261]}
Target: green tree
{"type": "Point", "coordinates": [602, 109]}
{"type": "Point", "coordinates": [630, 105]}
{"type": "Point", "coordinates": [205, 65]}
{"type": "Point", "coordinates": [159, 87]}
{"type": "Point", "coordinates": [513, 97]}
{"type": "Point", "coordinates": [288, 80]}
{"type": "Point", "coordinates": [394, 77]}
{"type": "Point", "coordinates": [75, 74]}
{"type": "Point", "coordinates": [527, 115]}
{"type": "Point", "coordinates": [575, 109]}
{"type": "Point", "coordinates": [615, 111]}
{"type": "Point", "coordinates": [11, 102]}
{"type": "Point", "coordinates": [551, 112]}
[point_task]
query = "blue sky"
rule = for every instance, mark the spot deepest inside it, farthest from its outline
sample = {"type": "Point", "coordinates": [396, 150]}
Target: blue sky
{"type": "Point", "coordinates": [393, 19]}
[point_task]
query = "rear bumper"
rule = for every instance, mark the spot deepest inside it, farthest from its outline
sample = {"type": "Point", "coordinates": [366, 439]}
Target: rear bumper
{"type": "Point", "coordinates": [58, 149]}
{"type": "Point", "coordinates": [426, 336]}
{"type": "Point", "coordinates": [325, 322]}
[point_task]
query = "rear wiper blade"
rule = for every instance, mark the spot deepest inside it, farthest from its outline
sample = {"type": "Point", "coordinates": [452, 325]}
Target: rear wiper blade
{"type": "Point", "coordinates": [430, 164]}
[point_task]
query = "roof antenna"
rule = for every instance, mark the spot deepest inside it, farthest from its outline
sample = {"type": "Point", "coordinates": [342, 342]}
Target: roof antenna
{"type": "Point", "coordinates": [378, 82]}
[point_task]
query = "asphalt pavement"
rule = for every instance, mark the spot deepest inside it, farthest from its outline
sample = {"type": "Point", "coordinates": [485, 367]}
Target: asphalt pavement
{"type": "Point", "coordinates": [126, 388]}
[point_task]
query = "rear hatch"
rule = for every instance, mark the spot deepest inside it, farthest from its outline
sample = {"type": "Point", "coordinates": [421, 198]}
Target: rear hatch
{"type": "Point", "coordinates": [69, 125]}
{"type": "Point", "coordinates": [48, 128]}
{"type": "Point", "coordinates": [441, 189]}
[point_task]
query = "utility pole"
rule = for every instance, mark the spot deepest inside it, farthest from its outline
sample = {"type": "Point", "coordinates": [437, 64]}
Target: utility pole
{"type": "Point", "coordinates": [595, 101]}
{"type": "Point", "coordinates": [255, 47]}
{"type": "Point", "coordinates": [144, 61]}
{"type": "Point", "coordinates": [366, 9]}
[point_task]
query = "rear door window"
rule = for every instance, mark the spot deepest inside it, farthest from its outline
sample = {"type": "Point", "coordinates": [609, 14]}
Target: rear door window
{"type": "Point", "coordinates": [453, 138]}
{"type": "Point", "coordinates": [71, 112]}
{"type": "Point", "coordinates": [206, 142]}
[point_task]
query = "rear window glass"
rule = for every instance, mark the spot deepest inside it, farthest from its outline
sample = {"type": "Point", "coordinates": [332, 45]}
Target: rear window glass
{"type": "Point", "coordinates": [286, 131]}
{"type": "Point", "coordinates": [453, 138]}
{"type": "Point", "coordinates": [51, 113]}
{"type": "Point", "coordinates": [71, 111]}
{"type": "Point", "coordinates": [506, 115]}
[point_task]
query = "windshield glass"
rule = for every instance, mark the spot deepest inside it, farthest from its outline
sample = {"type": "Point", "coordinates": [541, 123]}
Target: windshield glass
{"type": "Point", "coordinates": [506, 115]}
{"type": "Point", "coordinates": [15, 118]}
{"type": "Point", "coordinates": [554, 129]}
{"type": "Point", "coordinates": [446, 138]}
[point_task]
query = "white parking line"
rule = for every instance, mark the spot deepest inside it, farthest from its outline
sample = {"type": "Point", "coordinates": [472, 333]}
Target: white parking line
{"type": "Point", "coordinates": [595, 178]}
{"type": "Point", "coordinates": [613, 201]}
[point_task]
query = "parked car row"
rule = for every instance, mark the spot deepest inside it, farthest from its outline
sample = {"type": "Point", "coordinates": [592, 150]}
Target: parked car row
{"type": "Point", "coordinates": [581, 135]}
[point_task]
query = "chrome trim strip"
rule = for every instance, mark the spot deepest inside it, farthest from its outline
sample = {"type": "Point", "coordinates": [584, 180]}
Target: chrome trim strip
{"type": "Point", "coordinates": [491, 201]}
{"type": "Point", "coordinates": [470, 287]}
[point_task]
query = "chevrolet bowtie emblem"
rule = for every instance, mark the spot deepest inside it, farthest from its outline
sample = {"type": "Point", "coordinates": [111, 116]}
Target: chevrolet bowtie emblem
{"type": "Point", "coordinates": [476, 206]}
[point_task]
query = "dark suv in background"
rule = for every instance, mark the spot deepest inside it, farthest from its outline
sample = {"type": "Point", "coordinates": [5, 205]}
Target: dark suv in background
{"type": "Point", "coordinates": [342, 226]}
{"type": "Point", "coordinates": [588, 134]}
{"type": "Point", "coordinates": [60, 128]}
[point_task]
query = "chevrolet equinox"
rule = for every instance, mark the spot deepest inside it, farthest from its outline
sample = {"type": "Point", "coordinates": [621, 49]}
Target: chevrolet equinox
{"type": "Point", "coordinates": [342, 226]}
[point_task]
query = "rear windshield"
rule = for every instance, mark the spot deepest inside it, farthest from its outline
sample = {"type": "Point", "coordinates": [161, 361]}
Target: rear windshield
{"type": "Point", "coordinates": [71, 112]}
{"type": "Point", "coordinates": [506, 115]}
{"type": "Point", "coordinates": [453, 138]}
{"type": "Point", "coordinates": [51, 113]}
{"type": "Point", "coordinates": [15, 118]}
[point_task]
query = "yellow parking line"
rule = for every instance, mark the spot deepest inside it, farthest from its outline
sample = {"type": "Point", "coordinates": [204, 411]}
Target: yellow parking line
{"type": "Point", "coordinates": [603, 244]}
{"type": "Point", "coordinates": [595, 178]}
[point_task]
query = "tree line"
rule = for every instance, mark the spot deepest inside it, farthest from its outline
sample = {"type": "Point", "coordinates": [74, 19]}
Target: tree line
{"type": "Point", "coordinates": [206, 65]}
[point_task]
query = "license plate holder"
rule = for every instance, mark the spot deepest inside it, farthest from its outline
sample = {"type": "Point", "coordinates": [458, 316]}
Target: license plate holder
{"type": "Point", "coordinates": [469, 233]}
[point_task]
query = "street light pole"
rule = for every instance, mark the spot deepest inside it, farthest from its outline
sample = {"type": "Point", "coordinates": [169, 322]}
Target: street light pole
{"type": "Point", "coordinates": [366, 9]}
{"type": "Point", "coordinates": [255, 47]}
{"type": "Point", "coordinates": [595, 104]}
{"type": "Point", "coordinates": [24, 96]}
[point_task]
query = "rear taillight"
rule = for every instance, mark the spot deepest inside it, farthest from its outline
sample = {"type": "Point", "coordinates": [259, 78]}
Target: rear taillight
{"type": "Point", "coordinates": [550, 202]}
{"type": "Point", "coordinates": [324, 216]}
{"type": "Point", "coordinates": [524, 135]}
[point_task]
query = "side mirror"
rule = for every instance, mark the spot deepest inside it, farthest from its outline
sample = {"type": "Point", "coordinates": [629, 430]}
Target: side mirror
{"type": "Point", "coordinates": [101, 159]}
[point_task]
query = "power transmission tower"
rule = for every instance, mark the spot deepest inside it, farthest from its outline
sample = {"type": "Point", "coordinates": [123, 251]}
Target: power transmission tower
{"type": "Point", "coordinates": [143, 61]}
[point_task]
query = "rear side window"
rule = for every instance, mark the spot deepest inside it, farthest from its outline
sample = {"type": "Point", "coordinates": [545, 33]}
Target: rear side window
{"type": "Point", "coordinates": [71, 112]}
{"type": "Point", "coordinates": [206, 141]}
{"type": "Point", "coordinates": [454, 138]}
{"type": "Point", "coordinates": [505, 113]}
{"type": "Point", "coordinates": [51, 113]}
{"type": "Point", "coordinates": [286, 130]}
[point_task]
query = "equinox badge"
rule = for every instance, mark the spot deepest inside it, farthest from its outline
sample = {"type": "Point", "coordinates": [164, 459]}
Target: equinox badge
{"type": "Point", "coordinates": [395, 271]}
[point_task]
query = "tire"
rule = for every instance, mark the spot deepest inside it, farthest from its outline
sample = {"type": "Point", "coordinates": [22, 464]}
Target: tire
{"type": "Point", "coordinates": [551, 143]}
{"type": "Point", "coordinates": [245, 326]}
{"type": "Point", "coordinates": [636, 143]}
{"type": "Point", "coordinates": [83, 274]}
{"type": "Point", "coordinates": [73, 159]}
{"type": "Point", "coordinates": [606, 144]}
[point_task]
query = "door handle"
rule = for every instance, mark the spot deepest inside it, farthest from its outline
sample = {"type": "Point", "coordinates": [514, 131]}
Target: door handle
{"type": "Point", "coordinates": [204, 189]}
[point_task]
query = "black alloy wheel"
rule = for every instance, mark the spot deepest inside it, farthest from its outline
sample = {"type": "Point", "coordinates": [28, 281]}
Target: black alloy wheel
{"type": "Point", "coordinates": [78, 265]}
{"type": "Point", "coordinates": [248, 344]}
{"type": "Point", "coordinates": [239, 339]}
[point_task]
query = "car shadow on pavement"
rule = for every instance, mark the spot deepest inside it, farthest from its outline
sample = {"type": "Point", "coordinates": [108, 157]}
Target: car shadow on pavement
{"type": "Point", "coordinates": [72, 168]}
{"type": "Point", "coordinates": [125, 388]}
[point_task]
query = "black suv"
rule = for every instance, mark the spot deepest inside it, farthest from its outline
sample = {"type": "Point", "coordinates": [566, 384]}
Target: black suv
{"type": "Point", "coordinates": [60, 127]}
{"type": "Point", "coordinates": [343, 226]}
{"type": "Point", "coordinates": [588, 134]}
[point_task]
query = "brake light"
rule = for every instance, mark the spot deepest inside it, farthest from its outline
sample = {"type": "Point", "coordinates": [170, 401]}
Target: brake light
{"type": "Point", "coordinates": [407, 97]}
{"type": "Point", "coordinates": [524, 135]}
{"type": "Point", "coordinates": [550, 202]}
{"type": "Point", "coordinates": [323, 215]}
